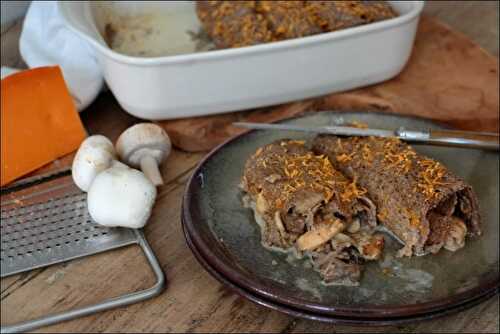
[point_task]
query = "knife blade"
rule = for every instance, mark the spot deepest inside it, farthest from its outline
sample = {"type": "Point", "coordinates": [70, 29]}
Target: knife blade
{"type": "Point", "coordinates": [464, 139]}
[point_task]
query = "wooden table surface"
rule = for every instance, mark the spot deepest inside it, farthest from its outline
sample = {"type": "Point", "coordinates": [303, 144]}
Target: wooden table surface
{"type": "Point", "coordinates": [193, 300]}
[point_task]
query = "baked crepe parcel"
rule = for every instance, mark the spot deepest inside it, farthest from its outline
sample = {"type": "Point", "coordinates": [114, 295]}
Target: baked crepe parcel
{"type": "Point", "coordinates": [233, 24]}
{"type": "Point", "coordinates": [303, 204]}
{"type": "Point", "coordinates": [418, 199]}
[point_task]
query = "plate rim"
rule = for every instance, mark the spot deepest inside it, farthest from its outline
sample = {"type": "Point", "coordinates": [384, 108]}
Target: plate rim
{"type": "Point", "coordinates": [236, 275]}
{"type": "Point", "coordinates": [365, 322]}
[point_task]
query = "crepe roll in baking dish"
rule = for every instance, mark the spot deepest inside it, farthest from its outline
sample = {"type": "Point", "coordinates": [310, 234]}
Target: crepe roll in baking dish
{"type": "Point", "coordinates": [417, 198]}
{"type": "Point", "coordinates": [233, 24]}
{"type": "Point", "coordinates": [303, 204]}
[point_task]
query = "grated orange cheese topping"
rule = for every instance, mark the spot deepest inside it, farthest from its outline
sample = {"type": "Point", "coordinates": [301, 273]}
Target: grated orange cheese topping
{"type": "Point", "coordinates": [412, 217]}
{"type": "Point", "coordinates": [240, 23]}
{"type": "Point", "coordinates": [345, 157]}
{"type": "Point", "coordinates": [351, 192]}
{"type": "Point", "coordinates": [401, 161]}
{"type": "Point", "coordinates": [383, 214]}
{"type": "Point", "coordinates": [396, 159]}
{"type": "Point", "coordinates": [367, 154]}
{"type": "Point", "coordinates": [430, 178]}
{"type": "Point", "coordinates": [303, 171]}
{"type": "Point", "coordinates": [308, 171]}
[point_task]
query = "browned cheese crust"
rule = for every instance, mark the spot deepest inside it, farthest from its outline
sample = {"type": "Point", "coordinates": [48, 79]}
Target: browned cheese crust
{"type": "Point", "coordinates": [305, 203]}
{"type": "Point", "coordinates": [241, 23]}
{"type": "Point", "coordinates": [417, 198]}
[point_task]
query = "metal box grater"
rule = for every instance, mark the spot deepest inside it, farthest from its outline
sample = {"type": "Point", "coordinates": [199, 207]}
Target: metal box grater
{"type": "Point", "coordinates": [47, 223]}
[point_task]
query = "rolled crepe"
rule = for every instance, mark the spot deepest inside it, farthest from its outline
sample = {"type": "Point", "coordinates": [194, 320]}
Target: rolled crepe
{"type": "Point", "coordinates": [417, 198]}
{"type": "Point", "coordinates": [241, 23]}
{"type": "Point", "coordinates": [301, 202]}
{"type": "Point", "coordinates": [233, 23]}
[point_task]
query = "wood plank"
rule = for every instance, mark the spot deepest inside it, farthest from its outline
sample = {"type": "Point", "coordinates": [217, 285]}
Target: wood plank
{"type": "Point", "coordinates": [478, 20]}
{"type": "Point", "coordinates": [482, 318]}
{"type": "Point", "coordinates": [12, 283]}
{"type": "Point", "coordinates": [193, 300]}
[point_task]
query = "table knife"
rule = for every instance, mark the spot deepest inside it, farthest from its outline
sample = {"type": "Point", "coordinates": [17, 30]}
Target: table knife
{"type": "Point", "coordinates": [455, 138]}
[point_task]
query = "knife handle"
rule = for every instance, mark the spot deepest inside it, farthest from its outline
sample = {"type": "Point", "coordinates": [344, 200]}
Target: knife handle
{"type": "Point", "coordinates": [466, 139]}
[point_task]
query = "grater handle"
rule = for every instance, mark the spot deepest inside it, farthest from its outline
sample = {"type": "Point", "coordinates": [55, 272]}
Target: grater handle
{"type": "Point", "coordinates": [127, 299]}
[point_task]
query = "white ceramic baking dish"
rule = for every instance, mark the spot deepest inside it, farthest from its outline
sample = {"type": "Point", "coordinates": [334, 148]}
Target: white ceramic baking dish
{"type": "Point", "coordinates": [210, 82]}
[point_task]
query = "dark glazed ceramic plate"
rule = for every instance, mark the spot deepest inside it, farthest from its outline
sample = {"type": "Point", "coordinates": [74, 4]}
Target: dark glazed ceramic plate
{"type": "Point", "coordinates": [229, 240]}
{"type": "Point", "coordinates": [323, 317]}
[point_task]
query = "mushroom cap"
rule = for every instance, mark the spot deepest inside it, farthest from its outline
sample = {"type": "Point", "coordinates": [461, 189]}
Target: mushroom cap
{"type": "Point", "coordinates": [88, 162]}
{"type": "Point", "coordinates": [121, 196]}
{"type": "Point", "coordinates": [99, 141]}
{"type": "Point", "coordinates": [143, 139]}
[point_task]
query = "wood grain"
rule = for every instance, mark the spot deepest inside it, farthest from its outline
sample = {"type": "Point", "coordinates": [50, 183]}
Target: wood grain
{"type": "Point", "coordinates": [193, 301]}
{"type": "Point", "coordinates": [478, 20]}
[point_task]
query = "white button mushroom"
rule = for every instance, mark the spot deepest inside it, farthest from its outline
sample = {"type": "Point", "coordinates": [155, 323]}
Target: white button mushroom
{"type": "Point", "coordinates": [96, 153]}
{"type": "Point", "coordinates": [121, 196]}
{"type": "Point", "coordinates": [145, 145]}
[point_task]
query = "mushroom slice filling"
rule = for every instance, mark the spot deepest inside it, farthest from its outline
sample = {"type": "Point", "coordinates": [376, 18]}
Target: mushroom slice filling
{"type": "Point", "coordinates": [303, 204]}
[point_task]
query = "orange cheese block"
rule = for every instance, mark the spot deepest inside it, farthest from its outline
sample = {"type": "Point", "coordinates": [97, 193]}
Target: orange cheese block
{"type": "Point", "coordinates": [39, 121]}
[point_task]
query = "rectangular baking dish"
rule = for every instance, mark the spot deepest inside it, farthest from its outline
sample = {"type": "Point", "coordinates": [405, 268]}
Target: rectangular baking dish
{"type": "Point", "coordinates": [210, 82]}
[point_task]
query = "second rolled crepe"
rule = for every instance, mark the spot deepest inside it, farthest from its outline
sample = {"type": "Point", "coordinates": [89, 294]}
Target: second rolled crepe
{"type": "Point", "coordinates": [418, 199]}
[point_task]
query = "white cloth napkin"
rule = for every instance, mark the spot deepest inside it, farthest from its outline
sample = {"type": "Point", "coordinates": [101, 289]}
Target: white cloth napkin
{"type": "Point", "coordinates": [46, 41]}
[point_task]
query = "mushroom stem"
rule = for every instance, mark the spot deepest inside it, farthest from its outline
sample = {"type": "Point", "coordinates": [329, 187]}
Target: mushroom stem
{"type": "Point", "coordinates": [149, 167]}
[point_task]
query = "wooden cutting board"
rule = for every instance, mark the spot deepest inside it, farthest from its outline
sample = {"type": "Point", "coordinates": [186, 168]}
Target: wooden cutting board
{"type": "Point", "coordinates": [448, 78]}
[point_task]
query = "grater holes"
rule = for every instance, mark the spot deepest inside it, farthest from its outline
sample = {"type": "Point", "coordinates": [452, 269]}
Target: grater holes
{"type": "Point", "coordinates": [51, 222]}
{"type": "Point", "coordinates": [42, 218]}
{"type": "Point", "coordinates": [50, 237]}
{"type": "Point", "coordinates": [21, 211]}
{"type": "Point", "coordinates": [28, 229]}
{"type": "Point", "coordinates": [40, 237]}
